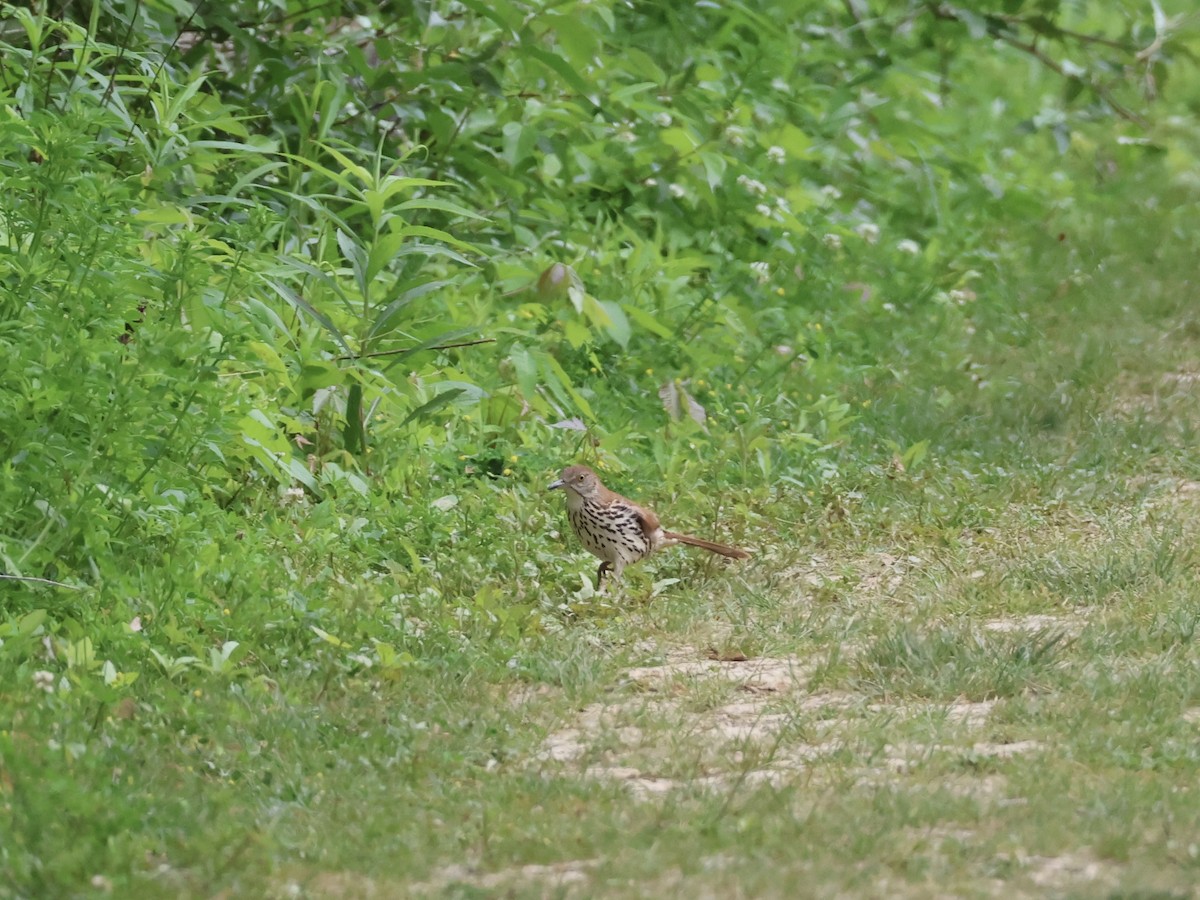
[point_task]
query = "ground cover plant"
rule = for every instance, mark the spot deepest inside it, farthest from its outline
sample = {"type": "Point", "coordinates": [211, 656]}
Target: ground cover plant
{"type": "Point", "coordinates": [302, 306]}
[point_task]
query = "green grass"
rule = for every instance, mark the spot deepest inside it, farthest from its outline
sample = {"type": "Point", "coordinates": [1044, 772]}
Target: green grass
{"type": "Point", "coordinates": [975, 676]}
{"type": "Point", "coordinates": [286, 623]}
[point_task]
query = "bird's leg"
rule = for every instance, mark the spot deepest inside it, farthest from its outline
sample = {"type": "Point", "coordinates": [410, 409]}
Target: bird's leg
{"type": "Point", "coordinates": [604, 567]}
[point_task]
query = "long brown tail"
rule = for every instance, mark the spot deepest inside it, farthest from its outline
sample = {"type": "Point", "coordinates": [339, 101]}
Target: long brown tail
{"type": "Point", "coordinates": [712, 546]}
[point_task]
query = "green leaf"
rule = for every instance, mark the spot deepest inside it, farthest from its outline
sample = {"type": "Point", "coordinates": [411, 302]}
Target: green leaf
{"type": "Point", "coordinates": [526, 369]}
{"type": "Point", "coordinates": [679, 139]}
{"type": "Point", "coordinates": [442, 206]}
{"type": "Point", "coordinates": [501, 12]}
{"type": "Point", "coordinates": [80, 654]}
{"type": "Point", "coordinates": [564, 70]}
{"type": "Point", "coordinates": [354, 432]}
{"type": "Point", "coordinates": [440, 400]}
{"type": "Point", "coordinates": [438, 235]}
{"type": "Point", "coordinates": [357, 257]}
{"type": "Point", "coordinates": [330, 639]}
{"type": "Point", "coordinates": [383, 322]}
{"type": "Point", "coordinates": [304, 306]}
{"type": "Point", "coordinates": [618, 325]}
{"type": "Point", "coordinates": [560, 376]}
{"type": "Point", "coordinates": [647, 321]}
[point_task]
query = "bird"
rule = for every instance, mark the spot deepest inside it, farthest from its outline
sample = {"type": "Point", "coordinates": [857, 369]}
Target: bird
{"type": "Point", "coordinates": [615, 529]}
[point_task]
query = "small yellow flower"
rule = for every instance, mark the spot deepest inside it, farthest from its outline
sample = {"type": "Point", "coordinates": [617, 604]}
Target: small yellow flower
{"type": "Point", "coordinates": [513, 458]}
{"type": "Point", "coordinates": [225, 610]}
{"type": "Point", "coordinates": [197, 693]}
{"type": "Point", "coordinates": [866, 403]}
{"type": "Point", "coordinates": [780, 291]}
{"type": "Point", "coordinates": [508, 471]}
{"type": "Point", "coordinates": [649, 371]}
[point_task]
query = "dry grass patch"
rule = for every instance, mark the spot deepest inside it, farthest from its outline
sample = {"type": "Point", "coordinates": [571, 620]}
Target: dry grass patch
{"type": "Point", "coordinates": [701, 723]}
{"type": "Point", "coordinates": [1070, 625]}
{"type": "Point", "coordinates": [876, 574]}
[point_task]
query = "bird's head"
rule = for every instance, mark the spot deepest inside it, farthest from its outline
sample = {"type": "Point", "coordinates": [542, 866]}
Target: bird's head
{"type": "Point", "coordinates": [579, 480]}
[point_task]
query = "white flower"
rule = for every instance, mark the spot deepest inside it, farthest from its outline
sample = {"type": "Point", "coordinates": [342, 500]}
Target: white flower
{"type": "Point", "coordinates": [753, 185]}
{"type": "Point", "coordinates": [776, 154]}
{"type": "Point", "coordinates": [889, 307]}
{"type": "Point", "coordinates": [763, 210]}
{"type": "Point", "coordinates": [626, 136]}
{"type": "Point", "coordinates": [762, 271]}
{"type": "Point", "coordinates": [780, 85]}
{"type": "Point", "coordinates": [291, 496]}
{"type": "Point", "coordinates": [829, 192]}
{"type": "Point", "coordinates": [650, 182]}
{"type": "Point", "coordinates": [736, 135]}
{"type": "Point", "coordinates": [44, 680]}
{"type": "Point", "coordinates": [868, 231]}
{"type": "Point", "coordinates": [676, 190]}
{"type": "Point", "coordinates": [832, 241]}
{"type": "Point", "coordinates": [962, 297]}
{"type": "Point", "coordinates": [909, 246]}
{"type": "Point", "coordinates": [662, 119]}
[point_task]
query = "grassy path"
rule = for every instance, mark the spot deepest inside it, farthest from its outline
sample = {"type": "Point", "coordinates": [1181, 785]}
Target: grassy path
{"type": "Point", "coordinates": [974, 677]}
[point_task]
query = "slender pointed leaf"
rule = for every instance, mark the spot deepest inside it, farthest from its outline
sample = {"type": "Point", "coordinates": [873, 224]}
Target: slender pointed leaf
{"type": "Point", "coordinates": [383, 322]}
{"type": "Point", "coordinates": [434, 405]}
{"type": "Point", "coordinates": [303, 305]}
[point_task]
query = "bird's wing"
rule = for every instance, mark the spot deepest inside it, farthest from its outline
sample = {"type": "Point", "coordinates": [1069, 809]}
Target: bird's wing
{"type": "Point", "coordinates": [648, 520]}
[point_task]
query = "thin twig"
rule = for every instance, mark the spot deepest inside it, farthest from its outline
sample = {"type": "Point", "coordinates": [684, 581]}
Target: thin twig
{"type": "Point", "coordinates": [414, 349]}
{"type": "Point", "coordinates": [1104, 93]}
{"type": "Point", "coordinates": [1060, 32]}
{"type": "Point", "coordinates": [944, 11]}
{"type": "Point", "coordinates": [1162, 29]}
{"type": "Point", "coordinates": [70, 587]}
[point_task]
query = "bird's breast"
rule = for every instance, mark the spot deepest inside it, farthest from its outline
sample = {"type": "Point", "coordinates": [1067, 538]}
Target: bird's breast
{"type": "Point", "coordinates": [610, 531]}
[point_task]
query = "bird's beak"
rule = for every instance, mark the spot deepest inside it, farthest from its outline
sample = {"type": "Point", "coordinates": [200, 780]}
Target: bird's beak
{"type": "Point", "coordinates": [555, 485]}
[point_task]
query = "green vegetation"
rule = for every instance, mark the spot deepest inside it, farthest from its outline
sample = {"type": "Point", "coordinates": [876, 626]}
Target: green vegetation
{"type": "Point", "coordinates": [301, 306]}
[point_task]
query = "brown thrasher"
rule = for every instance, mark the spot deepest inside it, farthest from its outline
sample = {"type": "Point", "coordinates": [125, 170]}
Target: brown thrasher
{"type": "Point", "coordinates": [616, 529]}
